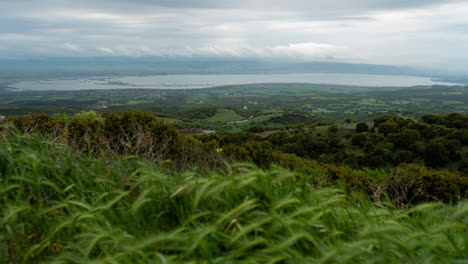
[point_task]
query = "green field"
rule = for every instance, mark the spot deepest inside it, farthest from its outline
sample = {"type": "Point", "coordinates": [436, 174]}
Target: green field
{"type": "Point", "coordinates": [262, 102]}
{"type": "Point", "coordinates": [263, 118]}
{"type": "Point", "coordinates": [225, 115]}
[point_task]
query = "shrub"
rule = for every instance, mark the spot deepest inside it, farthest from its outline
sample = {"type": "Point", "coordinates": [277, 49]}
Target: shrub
{"type": "Point", "coordinates": [413, 183]}
{"type": "Point", "coordinates": [352, 180]}
{"type": "Point", "coordinates": [435, 154]}
{"type": "Point", "coordinates": [359, 139]}
{"type": "Point", "coordinates": [388, 127]}
{"type": "Point", "coordinates": [88, 116]}
{"type": "Point", "coordinates": [127, 134]}
{"type": "Point", "coordinates": [257, 129]}
{"type": "Point", "coordinates": [463, 166]}
{"type": "Point", "coordinates": [362, 127]}
{"type": "Point", "coordinates": [405, 139]}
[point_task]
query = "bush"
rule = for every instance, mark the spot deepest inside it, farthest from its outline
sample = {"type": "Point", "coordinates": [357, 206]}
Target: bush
{"type": "Point", "coordinates": [435, 154]}
{"type": "Point", "coordinates": [260, 153]}
{"type": "Point", "coordinates": [359, 139]}
{"type": "Point", "coordinates": [88, 116]}
{"type": "Point", "coordinates": [127, 134]}
{"type": "Point", "coordinates": [257, 129]}
{"type": "Point", "coordinates": [405, 139]}
{"type": "Point", "coordinates": [362, 127]}
{"type": "Point", "coordinates": [388, 127]}
{"type": "Point", "coordinates": [352, 180]}
{"type": "Point", "coordinates": [463, 166]}
{"type": "Point", "coordinates": [412, 183]}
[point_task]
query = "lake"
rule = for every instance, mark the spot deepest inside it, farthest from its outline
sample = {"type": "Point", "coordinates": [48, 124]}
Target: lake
{"type": "Point", "coordinates": [205, 81]}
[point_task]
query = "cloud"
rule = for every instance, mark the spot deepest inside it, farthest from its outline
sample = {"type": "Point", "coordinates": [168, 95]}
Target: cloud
{"type": "Point", "coordinates": [58, 30]}
{"type": "Point", "coordinates": [137, 50]}
{"type": "Point", "coordinates": [294, 51]}
{"type": "Point", "coordinates": [404, 32]}
{"type": "Point", "coordinates": [106, 51]}
{"type": "Point", "coordinates": [71, 47]}
{"type": "Point", "coordinates": [20, 37]}
{"type": "Point", "coordinates": [309, 51]}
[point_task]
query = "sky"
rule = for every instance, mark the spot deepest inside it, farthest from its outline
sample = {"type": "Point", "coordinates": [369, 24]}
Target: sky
{"type": "Point", "coordinates": [421, 33]}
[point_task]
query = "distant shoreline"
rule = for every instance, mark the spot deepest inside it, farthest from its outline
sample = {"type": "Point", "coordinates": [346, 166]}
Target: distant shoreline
{"type": "Point", "coordinates": [199, 81]}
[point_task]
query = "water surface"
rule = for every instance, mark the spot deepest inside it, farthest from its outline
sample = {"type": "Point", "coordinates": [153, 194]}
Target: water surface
{"type": "Point", "coordinates": [205, 81]}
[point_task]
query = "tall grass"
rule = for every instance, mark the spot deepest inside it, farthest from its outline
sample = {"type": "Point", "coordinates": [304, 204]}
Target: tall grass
{"type": "Point", "coordinates": [57, 206]}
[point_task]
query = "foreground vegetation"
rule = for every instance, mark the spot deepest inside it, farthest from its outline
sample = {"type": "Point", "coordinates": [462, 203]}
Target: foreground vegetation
{"type": "Point", "coordinates": [128, 188]}
{"type": "Point", "coordinates": [60, 206]}
{"type": "Point", "coordinates": [392, 149]}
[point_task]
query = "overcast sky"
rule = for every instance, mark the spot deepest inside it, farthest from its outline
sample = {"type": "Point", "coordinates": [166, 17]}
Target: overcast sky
{"type": "Point", "coordinates": [425, 33]}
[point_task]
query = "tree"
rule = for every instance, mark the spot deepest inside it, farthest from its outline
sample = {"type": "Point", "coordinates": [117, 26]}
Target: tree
{"type": "Point", "coordinates": [388, 127]}
{"type": "Point", "coordinates": [404, 156]}
{"type": "Point", "coordinates": [314, 146]}
{"type": "Point", "coordinates": [349, 120]}
{"type": "Point", "coordinates": [435, 155]}
{"type": "Point", "coordinates": [88, 116]}
{"type": "Point", "coordinates": [463, 166]}
{"type": "Point", "coordinates": [362, 127]}
{"type": "Point", "coordinates": [430, 119]}
{"type": "Point", "coordinates": [359, 139]}
{"type": "Point", "coordinates": [332, 129]}
{"type": "Point", "coordinates": [405, 139]}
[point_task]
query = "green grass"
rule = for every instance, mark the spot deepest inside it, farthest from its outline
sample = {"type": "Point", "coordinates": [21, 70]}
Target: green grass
{"type": "Point", "coordinates": [266, 133]}
{"type": "Point", "coordinates": [225, 115]}
{"type": "Point", "coordinates": [132, 102]}
{"type": "Point", "coordinates": [452, 102]}
{"type": "Point", "coordinates": [335, 103]}
{"type": "Point", "coordinates": [60, 207]}
{"type": "Point", "coordinates": [402, 102]}
{"type": "Point", "coordinates": [372, 102]}
{"type": "Point", "coordinates": [453, 93]}
{"type": "Point", "coordinates": [325, 98]}
{"type": "Point", "coordinates": [170, 120]}
{"type": "Point", "coordinates": [137, 102]}
{"type": "Point", "coordinates": [270, 111]}
{"type": "Point", "coordinates": [424, 100]}
{"type": "Point", "coordinates": [322, 110]}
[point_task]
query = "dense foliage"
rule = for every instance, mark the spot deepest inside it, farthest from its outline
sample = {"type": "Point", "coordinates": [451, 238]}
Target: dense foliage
{"type": "Point", "coordinates": [391, 141]}
{"type": "Point", "coordinates": [62, 206]}
{"type": "Point", "coordinates": [130, 133]}
{"type": "Point", "coordinates": [398, 147]}
{"type": "Point", "coordinates": [129, 188]}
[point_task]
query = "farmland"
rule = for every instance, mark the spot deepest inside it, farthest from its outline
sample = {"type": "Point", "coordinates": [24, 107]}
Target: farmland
{"type": "Point", "coordinates": [257, 104]}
